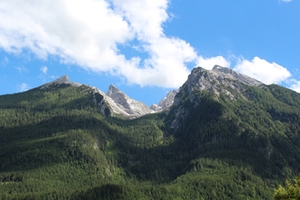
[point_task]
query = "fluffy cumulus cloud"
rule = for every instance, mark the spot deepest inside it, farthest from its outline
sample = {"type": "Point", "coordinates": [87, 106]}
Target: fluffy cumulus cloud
{"type": "Point", "coordinates": [295, 85]}
{"type": "Point", "coordinates": [263, 70]}
{"type": "Point", "coordinates": [89, 33]}
{"type": "Point", "coordinates": [209, 63]}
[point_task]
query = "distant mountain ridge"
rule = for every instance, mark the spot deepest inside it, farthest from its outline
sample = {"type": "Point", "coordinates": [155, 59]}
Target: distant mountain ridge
{"type": "Point", "coordinates": [117, 101]}
{"type": "Point", "coordinates": [61, 80]}
{"type": "Point", "coordinates": [200, 79]}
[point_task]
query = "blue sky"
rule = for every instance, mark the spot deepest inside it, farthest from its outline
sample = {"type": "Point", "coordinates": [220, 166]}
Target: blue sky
{"type": "Point", "coordinates": [146, 47]}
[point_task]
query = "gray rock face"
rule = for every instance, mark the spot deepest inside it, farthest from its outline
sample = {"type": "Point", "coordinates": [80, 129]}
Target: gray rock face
{"type": "Point", "coordinates": [165, 103]}
{"type": "Point", "coordinates": [235, 76]}
{"type": "Point", "coordinates": [107, 105]}
{"type": "Point", "coordinates": [132, 108]}
{"type": "Point", "coordinates": [61, 80]}
{"type": "Point", "coordinates": [219, 80]}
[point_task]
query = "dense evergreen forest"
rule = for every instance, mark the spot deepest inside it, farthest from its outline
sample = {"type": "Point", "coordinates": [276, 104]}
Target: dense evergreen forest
{"type": "Point", "coordinates": [56, 144]}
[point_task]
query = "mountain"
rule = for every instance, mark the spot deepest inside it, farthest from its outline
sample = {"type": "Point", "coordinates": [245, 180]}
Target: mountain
{"type": "Point", "coordinates": [218, 81]}
{"type": "Point", "coordinates": [62, 80]}
{"type": "Point", "coordinates": [165, 103]}
{"type": "Point", "coordinates": [114, 102]}
{"type": "Point", "coordinates": [132, 108]}
{"type": "Point", "coordinates": [226, 115]}
{"type": "Point", "coordinates": [222, 135]}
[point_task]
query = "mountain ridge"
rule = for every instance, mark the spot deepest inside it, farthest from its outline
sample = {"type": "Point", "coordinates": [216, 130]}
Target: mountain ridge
{"type": "Point", "coordinates": [61, 80]}
{"type": "Point", "coordinates": [200, 79]}
{"type": "Point", "coordinates": [115, 100]}
{"type": "Point", "coordinates": [226, 136]}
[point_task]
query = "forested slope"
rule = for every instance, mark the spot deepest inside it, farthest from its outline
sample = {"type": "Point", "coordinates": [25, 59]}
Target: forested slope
{"type": "Point", "coordinates": [56, 144]}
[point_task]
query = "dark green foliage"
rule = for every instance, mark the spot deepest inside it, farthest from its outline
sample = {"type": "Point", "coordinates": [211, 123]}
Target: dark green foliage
{"type": "Point", "coordinates": [261, 129]}
{"type": "Point", "coordinates": [56, 144]}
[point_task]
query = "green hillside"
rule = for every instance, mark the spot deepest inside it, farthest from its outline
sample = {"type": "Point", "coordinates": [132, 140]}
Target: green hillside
{"type": "Point", "coordinates": [56, 144]}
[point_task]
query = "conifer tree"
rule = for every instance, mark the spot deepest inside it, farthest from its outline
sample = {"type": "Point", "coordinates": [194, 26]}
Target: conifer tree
{"type": "Point", "coordinates": [290, 191]}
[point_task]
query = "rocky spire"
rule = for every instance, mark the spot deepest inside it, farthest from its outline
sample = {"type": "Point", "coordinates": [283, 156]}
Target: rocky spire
{"type": "Point", "coordinates": [166, 102]}
{"type": "Point", "coordinates": [61, 80]}
{"type": "Point", "coordinates": [113, 90]}
{"type": "Point", "coordinates": [130, 106]}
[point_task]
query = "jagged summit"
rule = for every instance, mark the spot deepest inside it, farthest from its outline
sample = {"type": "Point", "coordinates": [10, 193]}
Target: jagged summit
{"type": "Point", "coordinates": [225, 70]}
{"type": "Point", "coordinates": [132, 107]}
{"type": "Point", "coordinates": [118, 96]}
{"type": "Point", "coordinates": [219, 72]}
{"type": "Point", "coordinates": [116, 101]}
{"type": "Point", "coordinates": [218, 80]}
{"type": "Point", "coordinates": [61, 80]}
{"type": "Point", "coordinates": [166, 102]}
{"type": "Point", "coordinates": [113, 90]}
{"type": "Point", "coordinates": [237, 76]}
{"type": "Point", "coordinates": [136, 108]}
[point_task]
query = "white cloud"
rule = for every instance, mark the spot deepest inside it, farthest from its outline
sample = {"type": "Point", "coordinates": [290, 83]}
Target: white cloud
{"type": "Point", "coordinates": [209, 63]}
{"type": "Point", "coordinates": [166, 65]}
{"type": "Point", "coordinates": [263, 70]}
{"type": "Point", "coordinates": [87, 33]}
{"type": "Point", "coordinates": [23, 87]}
{"type": "Point", "coordinates": [44, 69]}
{"type": "Point", "coordinates": [144, 16]}
{"type": "Point", "coordinates": [294, 85]}
{"type": "Point", "coordinates": [286, 1]}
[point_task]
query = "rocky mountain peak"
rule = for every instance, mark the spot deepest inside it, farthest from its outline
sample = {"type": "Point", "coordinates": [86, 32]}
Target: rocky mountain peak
{"type": "Point", "coordinates": [131, 107]}
{"type": "Point", "coordinates": [61, 80]}
{"type": "Point", "coordinates": [166, 102]}
{"type": "Point", "coordinates": [113, 90]}
{"type": "Point", "coordinates": [219, 80]}
{"type": "Point", "coordinates": [225, 70]}
{"type": "Point", "coordinates": [118, 96]}
{"type": "Point", "coordinates": [115, 101]}
{"type": "Point", "coordinates": [231, 74]}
